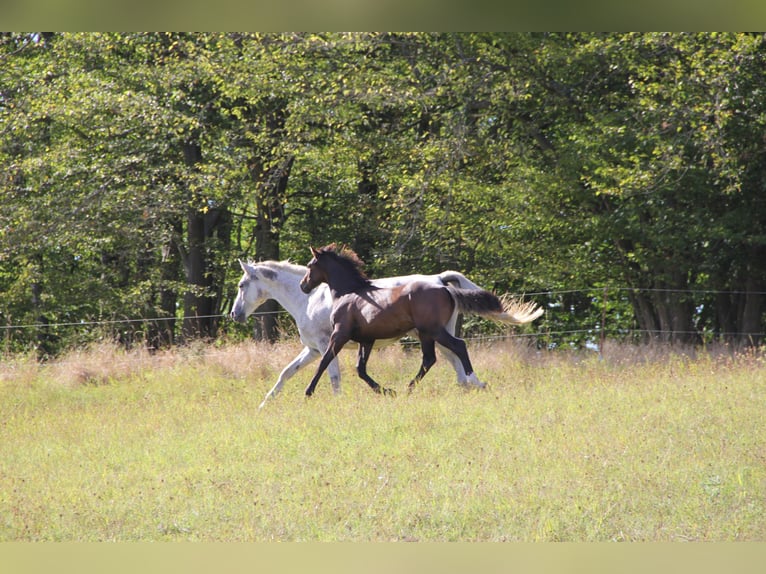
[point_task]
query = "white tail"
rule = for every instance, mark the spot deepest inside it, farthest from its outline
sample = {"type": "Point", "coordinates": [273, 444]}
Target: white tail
{"type": "Point", "coordinates": [505, 309]}
{"type": "Point", "coordinates": [518, 311]}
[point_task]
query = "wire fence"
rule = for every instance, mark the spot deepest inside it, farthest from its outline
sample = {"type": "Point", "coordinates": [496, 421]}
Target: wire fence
{"type": "Point", "coordinates": [108, 322]}
{"type": "Point", "coordinates": [593, 328]}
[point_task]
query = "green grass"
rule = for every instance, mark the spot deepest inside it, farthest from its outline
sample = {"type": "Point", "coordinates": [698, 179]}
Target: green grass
{"type": "Point", "coordinates": [649, 446]}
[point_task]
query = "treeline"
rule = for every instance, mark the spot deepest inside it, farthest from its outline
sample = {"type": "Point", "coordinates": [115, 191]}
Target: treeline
{"type": "Point", "coordinates": [135, 169]}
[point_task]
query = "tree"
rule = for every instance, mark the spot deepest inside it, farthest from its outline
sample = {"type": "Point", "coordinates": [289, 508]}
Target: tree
{"type": "Point", "coordinates": [673, 143]}
{"type": "Point", "coordinates": [144, 165]}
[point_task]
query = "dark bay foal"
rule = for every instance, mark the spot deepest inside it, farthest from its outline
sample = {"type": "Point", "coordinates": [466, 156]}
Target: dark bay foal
{"type": "Point", "coordinates": [365, 313]}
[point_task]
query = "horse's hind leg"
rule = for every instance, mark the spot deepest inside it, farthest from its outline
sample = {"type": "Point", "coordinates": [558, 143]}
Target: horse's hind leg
{"type": "Point", "coordinates": [361, 370]}
{"type": "Point", "coordinates": [458, 347]}
{"type": "Point", "coordinates": [454, 360]}
{"type": "Point", "coordinates": [427, 347]}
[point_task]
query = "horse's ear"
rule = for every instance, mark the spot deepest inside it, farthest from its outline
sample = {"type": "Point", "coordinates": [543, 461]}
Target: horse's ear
{"type": "Point", "coordinates": [314, 252]}
{"type": "Point", "coordinates": [247, 268]}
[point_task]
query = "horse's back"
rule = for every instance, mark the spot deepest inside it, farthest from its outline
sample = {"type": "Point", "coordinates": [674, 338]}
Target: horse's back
{"type": "Point", "coordinates": [377, 313]}
{"type": "Point", "coordinates": [391, 282]}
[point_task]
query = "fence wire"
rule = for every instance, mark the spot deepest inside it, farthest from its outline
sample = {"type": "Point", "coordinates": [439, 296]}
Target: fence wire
{"type": "Point", "coordinates": [597, 331]}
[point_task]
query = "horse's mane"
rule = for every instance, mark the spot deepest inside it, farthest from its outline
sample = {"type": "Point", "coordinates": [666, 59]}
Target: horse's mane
{"type": "Point", "coordinates": [347, 257]}
{"type": "Point", "coordinates": [285, 266]}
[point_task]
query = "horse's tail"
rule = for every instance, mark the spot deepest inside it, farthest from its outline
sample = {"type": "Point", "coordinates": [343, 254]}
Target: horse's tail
{"type": "Point", "coordinates": [505, 309]}
{"type": "Point", "coordinates": [457, 279]}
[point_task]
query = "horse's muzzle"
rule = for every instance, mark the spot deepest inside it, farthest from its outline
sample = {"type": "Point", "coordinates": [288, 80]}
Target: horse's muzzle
{"type": "Point", "coordinates": [238, 317]}
{"type": "Point", "coordinates": [305, 287]}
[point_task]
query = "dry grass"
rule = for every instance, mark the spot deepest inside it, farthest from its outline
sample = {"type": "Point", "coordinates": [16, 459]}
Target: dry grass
{"type": "Point", "coordinates": [656, 445]}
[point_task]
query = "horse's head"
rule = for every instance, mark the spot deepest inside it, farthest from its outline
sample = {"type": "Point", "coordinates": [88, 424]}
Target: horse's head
{"type": "Point", "coordinates": [340, 268]}
{"type": "Point", "coordinates": [250, 294]}
{"type": "Point", "coordinates": [315, 272]}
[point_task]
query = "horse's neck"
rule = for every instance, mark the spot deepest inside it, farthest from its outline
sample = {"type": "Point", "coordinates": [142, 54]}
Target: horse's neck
{"type": "Point", "coordinates": [342, 282]}
{"type": "Point", "coordinates": [286, 291]}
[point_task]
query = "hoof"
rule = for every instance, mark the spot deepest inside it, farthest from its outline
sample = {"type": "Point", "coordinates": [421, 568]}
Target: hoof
{"type": "Point", "coordinates": [472, 381]}
{"type": "Point", "coordinates": [389, 392]}
{"type": "Point", "coordinates": [471, 386]}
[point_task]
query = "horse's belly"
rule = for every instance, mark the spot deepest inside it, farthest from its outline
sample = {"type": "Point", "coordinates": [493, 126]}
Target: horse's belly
{"type": "Point", "coordinates": [376, 323]}
{"type": "Point", "coordinates": [380, 343]}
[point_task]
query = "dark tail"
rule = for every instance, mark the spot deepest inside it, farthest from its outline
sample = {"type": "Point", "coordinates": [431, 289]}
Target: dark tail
{"type": "Point", "coordinates": [489, 305]}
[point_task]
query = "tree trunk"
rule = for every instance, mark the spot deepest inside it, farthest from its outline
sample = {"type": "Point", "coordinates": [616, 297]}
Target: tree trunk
{"type": "Point", "coordinates": [163, 334]}
{"type": "Point", "coordinates": [46, 347]}
{"type": "Point", "coordinates": [675, 315]}
{"type": "Point", "coordinates": [367, 236]}
{"type": "Point", "coordinates": [751, 325]}
{"type": "Point", "coordinates": [664, 314]}
{"type": "Point", "coordinates": [199, 305]}
{"type": "Point", "coordinates": [645, 317]}
{"type": "Point", "coordinates": [271, 185]}
{"type": "Point", "coordinates": [739, 313]}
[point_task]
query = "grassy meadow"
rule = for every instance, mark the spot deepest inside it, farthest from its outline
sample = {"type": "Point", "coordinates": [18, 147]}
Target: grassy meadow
{"type": "Point", "coordinates": [642, 445]}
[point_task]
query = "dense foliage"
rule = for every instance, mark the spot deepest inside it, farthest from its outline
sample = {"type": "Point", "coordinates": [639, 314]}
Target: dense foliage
{"type": "Point", "coordinates": [622, 176]}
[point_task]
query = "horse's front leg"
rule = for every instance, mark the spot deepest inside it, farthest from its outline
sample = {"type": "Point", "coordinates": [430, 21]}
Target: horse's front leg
{"type": "Point", "coordinates": [361, 370]}
{"type": "Point", "coordinates": [304, 358]}
{"type": "Point", "coordinates": [337, 341]}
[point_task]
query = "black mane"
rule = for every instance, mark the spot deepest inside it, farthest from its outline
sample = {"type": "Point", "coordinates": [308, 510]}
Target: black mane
{"type": "Point", "coordinates": [347, 257]}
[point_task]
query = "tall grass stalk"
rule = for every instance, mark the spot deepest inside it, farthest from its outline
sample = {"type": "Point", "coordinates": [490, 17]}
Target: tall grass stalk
{"type": "Point", "coordinates": [650, 446]}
